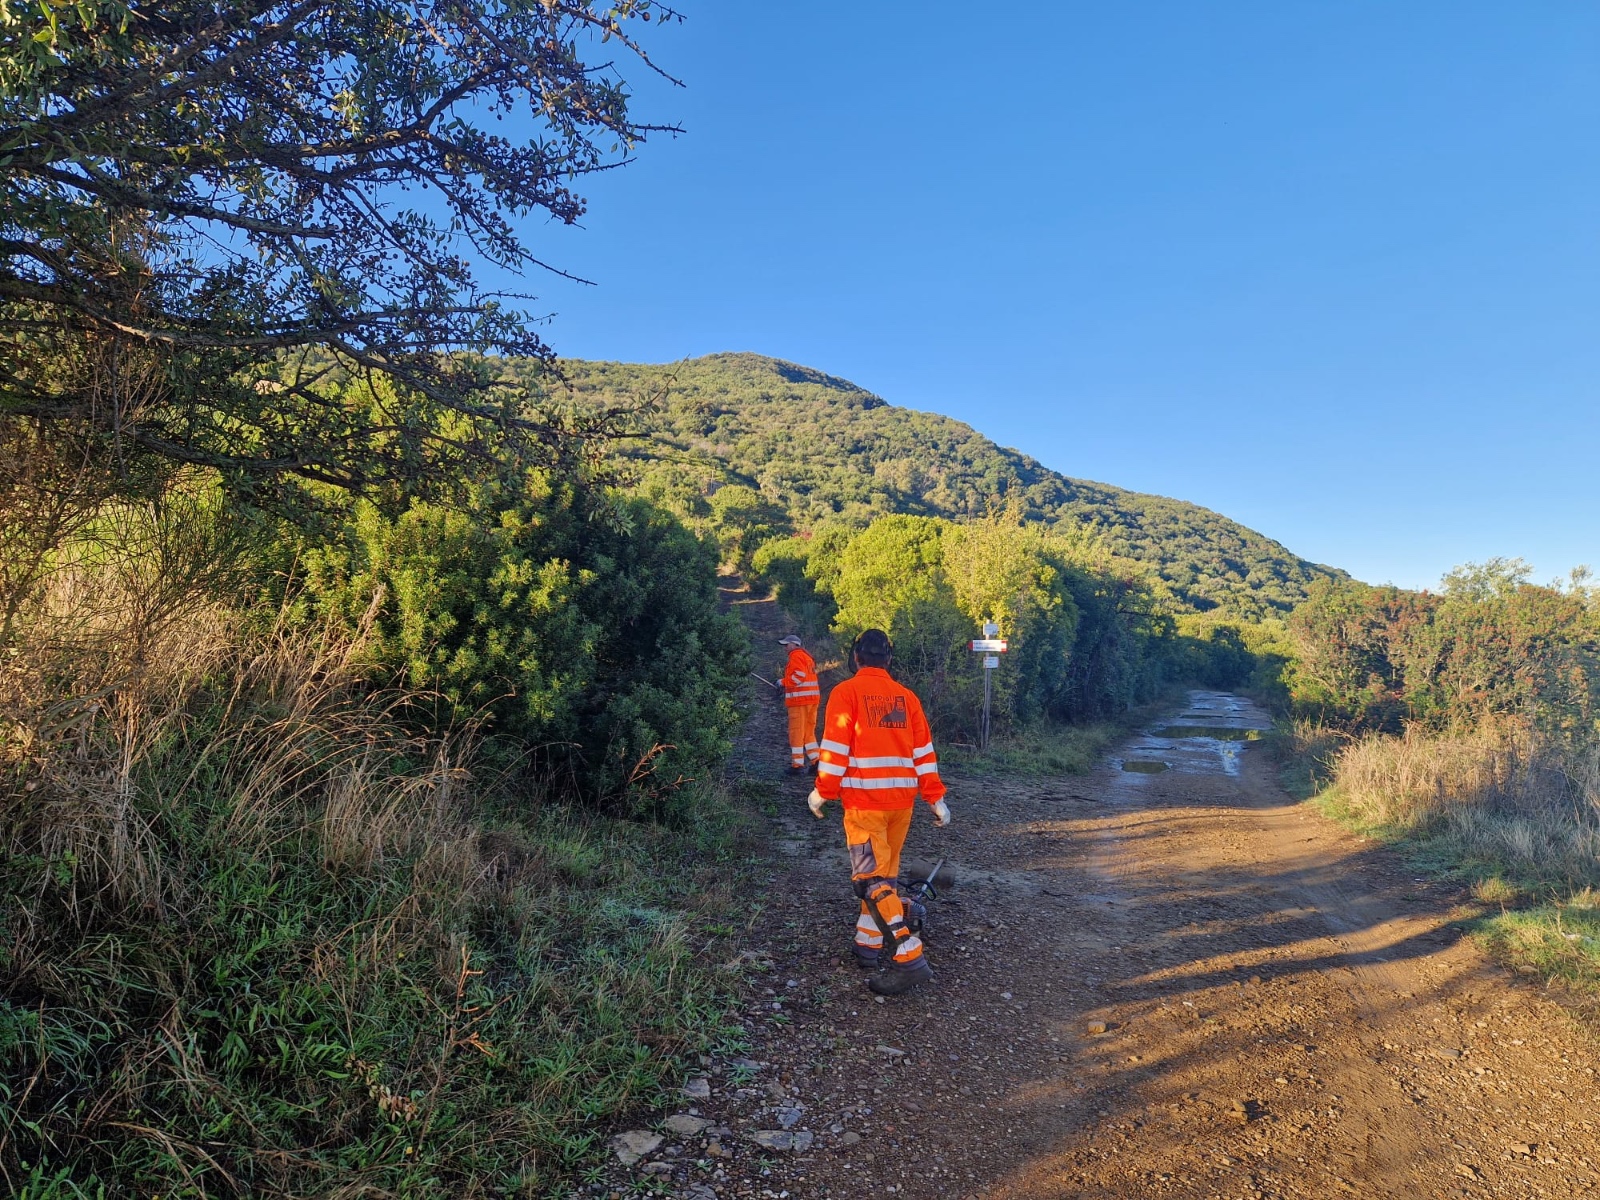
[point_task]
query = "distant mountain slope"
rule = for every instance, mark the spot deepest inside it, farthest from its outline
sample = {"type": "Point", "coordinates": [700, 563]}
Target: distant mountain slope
{"type": "Point", "coordinates": [824, 448]}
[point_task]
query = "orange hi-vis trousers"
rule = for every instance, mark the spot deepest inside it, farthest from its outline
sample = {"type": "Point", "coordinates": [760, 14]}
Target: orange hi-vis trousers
{"type": "Point", "coordinates": [802, 734]}
{"type": "Point", "coordinates": [874, 837]}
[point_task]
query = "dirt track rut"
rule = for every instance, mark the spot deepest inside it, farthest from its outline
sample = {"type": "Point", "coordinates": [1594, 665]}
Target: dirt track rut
{"type": "Point", "coordinates": [1147, 984]}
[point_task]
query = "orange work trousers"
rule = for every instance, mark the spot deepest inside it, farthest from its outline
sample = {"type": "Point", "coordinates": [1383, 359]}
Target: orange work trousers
{"type": "Point", "coordinates": [874, 837]}
{"type": "Point", "coordinates": [803, 747]}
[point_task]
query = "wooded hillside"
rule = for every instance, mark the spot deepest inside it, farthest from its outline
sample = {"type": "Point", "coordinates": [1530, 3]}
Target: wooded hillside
{"type": "Point", "coordinates": [821, 448]}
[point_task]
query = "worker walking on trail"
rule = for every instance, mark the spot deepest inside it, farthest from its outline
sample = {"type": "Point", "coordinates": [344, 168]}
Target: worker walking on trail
{"type": "Point", "coordinates": [801, 696]}
{"type": "Point", "coordinates": [877, 757]}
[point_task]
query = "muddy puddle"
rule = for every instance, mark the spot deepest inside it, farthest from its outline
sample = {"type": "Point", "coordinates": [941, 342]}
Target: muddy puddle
{"type": "Point", "coordinates": [1219, 732]}
{"type": "Point", "coordinates": [1206, 738]}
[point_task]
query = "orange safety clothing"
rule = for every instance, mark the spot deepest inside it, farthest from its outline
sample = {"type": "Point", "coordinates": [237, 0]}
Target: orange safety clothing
{"type": "Point", "coordinates": [803, 747]}
{"type": "Point", "coordinates": [874, 837]}
{"type": "Point", "coordinates": [877, 750]}
{"type": "Point", "coordinates": [800, 686]}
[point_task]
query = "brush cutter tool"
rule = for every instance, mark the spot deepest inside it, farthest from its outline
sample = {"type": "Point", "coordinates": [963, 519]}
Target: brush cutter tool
{"type": "Point", "coordinates": [916, 900]}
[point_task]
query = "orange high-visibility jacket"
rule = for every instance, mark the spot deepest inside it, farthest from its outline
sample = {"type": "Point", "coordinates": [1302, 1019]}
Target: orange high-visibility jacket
{"type": "Point", "coordinates": [877, 751]}
{"type": "Point", "coordinates": [800, 684]}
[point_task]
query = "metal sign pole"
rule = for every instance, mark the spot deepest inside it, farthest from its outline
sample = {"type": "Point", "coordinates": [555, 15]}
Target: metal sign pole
{"type": "Point", "coordinates": [991, 646]}
{"type": "Point", "coordinates": [987, 676]}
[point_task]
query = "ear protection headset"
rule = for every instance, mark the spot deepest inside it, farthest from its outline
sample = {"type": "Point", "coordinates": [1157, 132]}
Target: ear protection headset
{"type": "Point", "coordinates": [855, 647]}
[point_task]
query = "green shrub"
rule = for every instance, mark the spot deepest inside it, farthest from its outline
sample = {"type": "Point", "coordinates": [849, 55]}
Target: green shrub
{"type": "Point", "coordinates": [1490, 644]}
{"type": "Point", "coordinates": [742, 519]}
{"type": "Point", "coordinates": [1086, 630]}
{"type": "Point", "coordinates": [585, 627]}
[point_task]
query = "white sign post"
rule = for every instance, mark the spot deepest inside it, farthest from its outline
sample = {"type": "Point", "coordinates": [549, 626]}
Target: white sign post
{"type": "Point", "coordinates": [991, 645]}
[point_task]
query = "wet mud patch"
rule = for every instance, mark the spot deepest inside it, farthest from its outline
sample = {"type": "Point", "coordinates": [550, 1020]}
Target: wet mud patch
{"type": "Point", "coordinates": [1145, 766]}
{"type": "Point", "coordinates": [1222, 733]}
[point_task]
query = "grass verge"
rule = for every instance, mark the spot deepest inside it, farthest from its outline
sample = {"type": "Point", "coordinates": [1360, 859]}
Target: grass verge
{"type": "Point", "coordinates": [1052, 748]}
{"type": "Point", "coordinates": [1511, 814]}
{"type": "Point", "coordinates": [259, 939]}
{"type": "Point", "coordinates": [1037, 750]}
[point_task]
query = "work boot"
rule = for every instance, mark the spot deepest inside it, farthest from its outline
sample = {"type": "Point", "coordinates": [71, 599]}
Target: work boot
{"type": "Point", "coordinates": [812, 769]}
{"type": "Point", "coordinates": [867, 960]}
{"type": "Point", "coordinates": [791, 769]}
{"type": "Point", "coordinates": [897, 980]}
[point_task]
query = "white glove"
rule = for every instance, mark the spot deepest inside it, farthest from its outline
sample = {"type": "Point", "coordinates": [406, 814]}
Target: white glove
{"type": "Point", "coordinates": [941, 814]}
{"type": "Point", "coordinates": [815, 803]}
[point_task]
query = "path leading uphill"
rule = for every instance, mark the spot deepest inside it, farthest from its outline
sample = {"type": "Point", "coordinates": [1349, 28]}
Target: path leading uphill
{"type": "Point", "coordinates": [1149, 982]}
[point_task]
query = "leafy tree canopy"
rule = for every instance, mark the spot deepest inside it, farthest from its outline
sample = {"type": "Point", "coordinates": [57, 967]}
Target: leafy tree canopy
{"type": "Point", "coordinates": [193, 190]}
{"type": "Point", "coordinates": [1491, 644]}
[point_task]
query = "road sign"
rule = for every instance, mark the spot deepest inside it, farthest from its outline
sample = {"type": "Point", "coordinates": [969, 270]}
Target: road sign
{"type": "Point", "coordinates": [991, 645]}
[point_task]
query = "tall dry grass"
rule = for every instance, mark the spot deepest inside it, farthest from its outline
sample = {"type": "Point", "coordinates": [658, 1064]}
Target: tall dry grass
{"type": "Point", "coordinates": [1503, 793]}
{"type": "Point", "coordinates": [125, 688]}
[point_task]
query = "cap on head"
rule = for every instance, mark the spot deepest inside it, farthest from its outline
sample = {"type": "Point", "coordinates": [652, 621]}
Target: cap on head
{"type": "Point", "coordinates": [789, 639]}
{"type": "Point", "coordinates": [873, 648]}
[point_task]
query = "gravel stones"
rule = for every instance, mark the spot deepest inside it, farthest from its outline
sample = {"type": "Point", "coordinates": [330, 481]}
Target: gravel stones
{"type": "Point", "coordinates": [782, 1139]}
{"type": "Point", "coordinates": [633, 1145]}
{"type": "Point", "coordinates": [684, 1125]}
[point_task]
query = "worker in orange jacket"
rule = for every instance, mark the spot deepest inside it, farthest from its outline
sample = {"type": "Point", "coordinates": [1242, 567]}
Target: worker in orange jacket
{"type": "Point", "coordinates": [877, 758]}
{"type": "Point", "coordinates": [802, 694]}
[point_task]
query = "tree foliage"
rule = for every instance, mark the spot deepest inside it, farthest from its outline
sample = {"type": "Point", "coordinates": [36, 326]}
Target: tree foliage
{"type": "Point", "coordinates": [1088, 633]}
{"type": "Point", "coordinates": [1489, 644]}
{"type": "Point", "coordinates": [200, 194]}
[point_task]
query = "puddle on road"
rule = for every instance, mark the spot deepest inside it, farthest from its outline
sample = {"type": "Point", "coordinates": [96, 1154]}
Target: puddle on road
{"type": "Point", "coordinates": [1207, 736]}
{"type": "Point", "coordinates": [1220, 732]}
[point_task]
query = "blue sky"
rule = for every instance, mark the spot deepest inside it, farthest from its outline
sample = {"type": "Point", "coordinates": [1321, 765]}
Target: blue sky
{"type": "Point", "coordinates": [1330, 269]}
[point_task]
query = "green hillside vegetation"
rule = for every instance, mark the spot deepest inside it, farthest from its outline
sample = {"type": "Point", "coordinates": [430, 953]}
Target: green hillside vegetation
{"type": "Point", "coordinates": [816, 449]}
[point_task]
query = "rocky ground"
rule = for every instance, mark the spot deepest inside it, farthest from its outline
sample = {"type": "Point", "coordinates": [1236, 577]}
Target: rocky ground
{"type": "Point", "coordinates": [1150, 981]}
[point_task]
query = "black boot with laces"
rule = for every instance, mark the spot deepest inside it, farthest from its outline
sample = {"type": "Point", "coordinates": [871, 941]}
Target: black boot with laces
{"type": "Point", "coordinates": [898, 980]}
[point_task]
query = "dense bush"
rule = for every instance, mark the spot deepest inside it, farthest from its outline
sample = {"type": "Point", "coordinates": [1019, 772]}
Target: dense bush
{"type": "Point", "coordinates": [1222, 652]}
{"type": "Point", "coordinates": [1087, 631]}
{"type": "Point", "coordinates": [1489, 644]}
{"type": "Point", "coordinates": [584, 625]}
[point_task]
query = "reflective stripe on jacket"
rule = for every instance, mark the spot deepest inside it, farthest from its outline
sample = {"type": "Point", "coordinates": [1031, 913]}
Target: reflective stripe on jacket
{"type": "Point", "coordinates": [800, 684]}
{"type": "Point", "coordinates": [877, 751]}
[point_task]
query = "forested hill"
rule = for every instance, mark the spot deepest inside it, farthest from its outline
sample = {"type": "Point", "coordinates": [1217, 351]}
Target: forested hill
{"type": "Point", "coordinates": [823, 448]}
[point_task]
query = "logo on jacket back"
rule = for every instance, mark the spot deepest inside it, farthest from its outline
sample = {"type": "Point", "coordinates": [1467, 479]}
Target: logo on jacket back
{"type": "Point", "coordinates": [886, 712]}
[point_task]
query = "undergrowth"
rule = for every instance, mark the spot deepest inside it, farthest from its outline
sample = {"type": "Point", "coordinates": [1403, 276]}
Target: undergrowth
{"type": "Point", "coordinates": [259, 939]}
{"type": "Point", "coordinates": [1052, 747]}
{"type": "Point", "coordinates": [1044, 748]}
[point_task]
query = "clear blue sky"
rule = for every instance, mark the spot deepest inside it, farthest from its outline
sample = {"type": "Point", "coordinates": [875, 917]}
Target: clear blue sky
{"type": "Point", "coordinates": [1330, 269]}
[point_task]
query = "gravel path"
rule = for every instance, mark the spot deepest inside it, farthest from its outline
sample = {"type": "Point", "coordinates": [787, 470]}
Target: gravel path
{"type": "Point", "coordinates": [1148, 982]}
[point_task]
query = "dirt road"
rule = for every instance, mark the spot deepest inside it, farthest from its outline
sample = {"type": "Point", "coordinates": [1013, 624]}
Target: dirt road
{"type": "Point", "coordinates": [1149, 982]}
